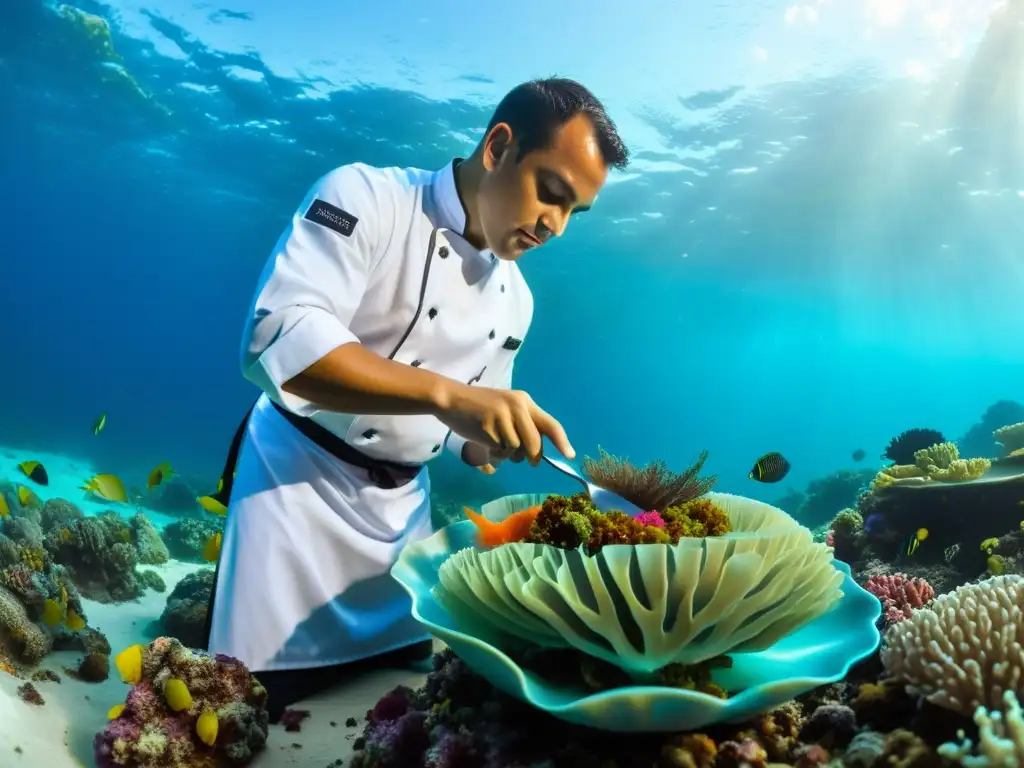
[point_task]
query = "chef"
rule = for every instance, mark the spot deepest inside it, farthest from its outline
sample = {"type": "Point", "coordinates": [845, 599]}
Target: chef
{"type": "Point", "coordinates": [384, 330]}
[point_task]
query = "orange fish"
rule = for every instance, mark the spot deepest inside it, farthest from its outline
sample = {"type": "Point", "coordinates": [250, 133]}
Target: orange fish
{"type": "Point", "coordinates": [512, 529]}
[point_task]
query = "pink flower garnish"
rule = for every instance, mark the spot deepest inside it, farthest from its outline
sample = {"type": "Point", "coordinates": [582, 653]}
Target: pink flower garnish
{"type": "Point", "coordinates": [651, 518]}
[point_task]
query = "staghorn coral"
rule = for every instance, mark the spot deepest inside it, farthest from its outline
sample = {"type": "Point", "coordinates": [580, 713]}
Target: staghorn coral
{"type": "Point", "coordinates": [964, 650]}
{"type": "Point", "coordinates": [900, 595]}
{"type": "Point", "coordinates": [148, 734]}
{"type": "Point", "coordinates": [653, 486]}
{"type": "Point", "coordinates": [184, 616]}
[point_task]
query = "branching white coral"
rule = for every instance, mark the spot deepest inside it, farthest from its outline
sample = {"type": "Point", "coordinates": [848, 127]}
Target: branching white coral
{"type": "Point", "coordinates": [1000, 738]}
{"type": "Point", "coordinates": [965, 650]}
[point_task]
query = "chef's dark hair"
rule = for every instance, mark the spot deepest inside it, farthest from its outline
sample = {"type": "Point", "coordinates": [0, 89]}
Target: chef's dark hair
{"type": "Point", "coordinates": [538, 108]}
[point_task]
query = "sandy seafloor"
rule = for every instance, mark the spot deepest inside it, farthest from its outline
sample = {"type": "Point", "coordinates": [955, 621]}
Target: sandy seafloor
{"type": "Point", "coordinates": [60, 733]}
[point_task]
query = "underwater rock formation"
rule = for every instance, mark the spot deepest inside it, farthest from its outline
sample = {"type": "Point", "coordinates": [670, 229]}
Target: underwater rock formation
{"type": "Point", "coordinates": [149, 545]}
{"type": "Point", "coordinates": [101, 555]}
{"type": "Point", "coordinates": [186, 709]}
{"type": "Point", "coordinates": [186, 538]}
{"type": "Point", "coordinates": [184, 617]}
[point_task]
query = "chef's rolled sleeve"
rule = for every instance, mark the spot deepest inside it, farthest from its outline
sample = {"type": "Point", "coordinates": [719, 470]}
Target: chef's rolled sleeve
{"type": "Point", "coordinates": [313, 283]}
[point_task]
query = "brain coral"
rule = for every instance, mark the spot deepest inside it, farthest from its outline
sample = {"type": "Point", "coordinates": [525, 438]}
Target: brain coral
{"type": "Point", "coordinates": [963, 651]}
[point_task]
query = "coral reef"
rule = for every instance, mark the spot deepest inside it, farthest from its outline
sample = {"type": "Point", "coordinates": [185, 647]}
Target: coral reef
{"type": "Point", "coordinates": [184, 616]}
{"type": "Point", "coordinates": [457, 720]}
{"type": "Point", "coordinates": [148, 544]}
{"type": "Point", "coordinates": [186, 538]}
{"type": "Point", "coordinates": [572, 522]}
{"type": "Point", "coordinates": [1011, 438]}
{"type": "Point", "coordinates": [653, 486]}
{"type": "Point", "coordinates": [101, 556]}
{"type": "Point", "coordinates": [166, 717]}
{"type": "Point", "coordinates": [826, 496]}
{"type": "Point", "coordinates": [900, 595]}
{"type": "Point", "coordinates": [965, 649]}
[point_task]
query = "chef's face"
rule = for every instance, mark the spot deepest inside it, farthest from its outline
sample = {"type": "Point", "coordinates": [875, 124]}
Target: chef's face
{"type": "Point", "coordinates": [523, 202]}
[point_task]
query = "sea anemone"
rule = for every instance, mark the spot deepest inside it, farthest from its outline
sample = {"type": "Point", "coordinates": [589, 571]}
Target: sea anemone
{"type": "Point", "coordinates": [901, 449]}
{"type": "Point", "coordinates": [653, 486]}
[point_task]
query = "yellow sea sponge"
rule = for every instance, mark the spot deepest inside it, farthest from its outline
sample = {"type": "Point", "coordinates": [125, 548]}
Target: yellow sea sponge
{"type": "Point", "coordinates": [940, 455]}
{"type": "Point", "coordinates": [960, 470]}
{"type": "Point", "coordinates": [996, 565]}
{"type": "Point", "coordinates": [177, 695]}
{"type": "Point", "coordinates": [988, 546]}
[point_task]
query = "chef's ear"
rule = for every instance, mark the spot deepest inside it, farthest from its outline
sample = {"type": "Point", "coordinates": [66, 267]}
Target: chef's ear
{"type": "Point", "coordinates": [496, 145]}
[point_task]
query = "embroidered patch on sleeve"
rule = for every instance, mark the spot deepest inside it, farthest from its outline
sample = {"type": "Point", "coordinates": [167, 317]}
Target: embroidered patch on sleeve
{"type": "Point", "coordinates": [332, 217]}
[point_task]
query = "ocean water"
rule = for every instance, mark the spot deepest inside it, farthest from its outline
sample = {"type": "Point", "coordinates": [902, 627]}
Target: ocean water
{"type": "Point", "coordinates": [816, 247]}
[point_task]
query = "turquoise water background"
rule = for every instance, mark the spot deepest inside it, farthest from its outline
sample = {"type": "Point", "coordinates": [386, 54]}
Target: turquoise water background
{"type": "Point", "coordinates": [818, 244]}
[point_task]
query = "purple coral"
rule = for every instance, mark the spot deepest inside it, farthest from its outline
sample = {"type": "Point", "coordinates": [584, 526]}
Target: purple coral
{"type": "Point", "coordinates": [651, 518]}
{"type": "Point", "coordinates": [148, 734]}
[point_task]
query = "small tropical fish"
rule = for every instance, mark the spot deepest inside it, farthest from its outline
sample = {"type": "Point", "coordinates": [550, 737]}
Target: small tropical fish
{"type": "Point", "coordinates": [161, 473]}
{"type": "Point", "coordinates": [211, 505]}
{"type": "Point", "coordinates": [5, 510]}
{"type": "Point", "coordinates": [115, 711]}
{"type": "Point", "coordinates": [207, 727]}
{"type": "Point", "coordinates": [74, 622]}
{"type": "Point", "coordinates": [35, 471]}
{"type": "Point", "coordinates": [211, 550]}
{"type": "Point", "coordinates": [859, 455]}
{"type": "Point", "coordinates": [53, 612]}
{"type": "Point", "coordinates": [107, 487]}
{"type": "Point", "coordinates": [129, 664]}
{"type": "Point", "coordinates": [177, 695]}
{"type": "Point", "coordinates": [910, 545]}
{"type": "Point", "coordinates": [101, 422]}
{"type": "Point", "coordinates": [770, 468]}
{"type": "Point", "coordinates": [27, 498]}
{"type": "Point", "coordinates": [514, 528]}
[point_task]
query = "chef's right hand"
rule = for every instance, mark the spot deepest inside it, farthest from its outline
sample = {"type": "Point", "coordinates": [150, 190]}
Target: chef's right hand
{"type": "Point", "coordinates": [506, 421]}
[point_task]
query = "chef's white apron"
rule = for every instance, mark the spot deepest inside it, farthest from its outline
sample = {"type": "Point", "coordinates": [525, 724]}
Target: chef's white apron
{"type": "Point", "coordinates": [304, 577]}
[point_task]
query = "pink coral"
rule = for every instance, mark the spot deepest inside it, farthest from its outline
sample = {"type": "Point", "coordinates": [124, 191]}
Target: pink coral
{"type": "Point", "coordinates": [900, 595]}
{"type": "Point", "coordinates": [651, 518]}
{"type": "Point", "coordinates": [148, 734]}
{"type": "Point", "coordinates": [830, 538]}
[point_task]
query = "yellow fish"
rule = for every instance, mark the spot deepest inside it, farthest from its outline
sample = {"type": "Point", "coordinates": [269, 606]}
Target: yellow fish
{"type": "Point", "coordinates": [909, 547]}
{"type": "Point", "coordinates": [129, 664]}
{"type": "Point", "coordinates": [212, 549]}
{"type": "Point", "coordinates": [28, 498]}
{"type": "Point", "coordinates": [177, 695]}
{"type": "Point", "coordinates": [101, 422]}
{"type": "Point", "coordinates": [161, 473]}
{"type": "Point", "coordinates": [211, 505]}
{"type": "Point", "coordinates": [206, 727]}
{"type": "Point", "coordinates": [74, 622]}
{"type": "Point", "coordinates": [115, 711]}
{"type": "Point", "coordinates": [35, 472]}
{"type": "Point", "coordinates": [53, 612]}
{"type": "Point", "coordinates": [5, 510]}
{"type": "Point", "coordinates": [107, 487]}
